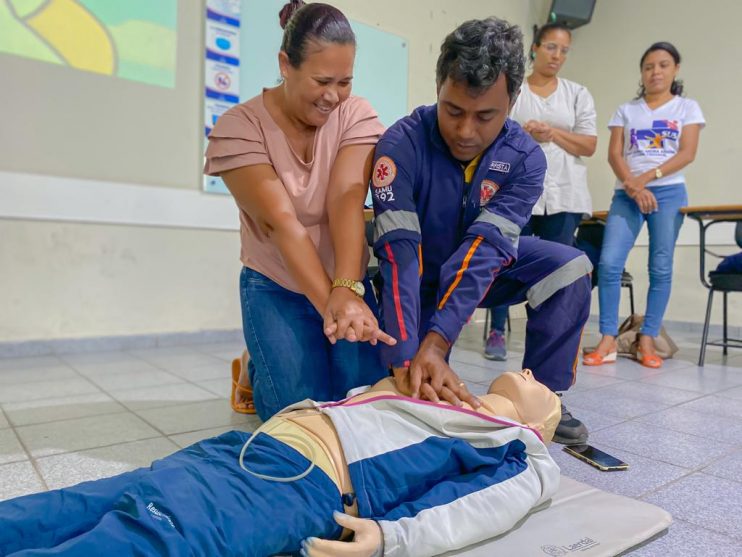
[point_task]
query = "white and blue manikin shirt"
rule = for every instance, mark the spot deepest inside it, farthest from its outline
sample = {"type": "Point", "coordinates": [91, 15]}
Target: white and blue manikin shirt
{"type": "Point", "coordinates": [438, 477]}
{"type": "Point", "coordinates": [653, 136]}
{"type": "Point", "coordinates": [571, 108]}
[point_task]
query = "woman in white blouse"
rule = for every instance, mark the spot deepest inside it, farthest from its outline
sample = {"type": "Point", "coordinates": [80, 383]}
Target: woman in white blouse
{"type": "Point", "coordinates": [560, 115]}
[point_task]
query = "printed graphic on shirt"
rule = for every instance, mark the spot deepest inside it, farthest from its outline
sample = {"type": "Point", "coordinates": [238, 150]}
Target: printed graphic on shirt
{"type": "Point", "coordinates": [499, 166]}
{"type": "Point", "coordinates": [654, 141]}
{"type": "Point", "coordinates": [487, 192]}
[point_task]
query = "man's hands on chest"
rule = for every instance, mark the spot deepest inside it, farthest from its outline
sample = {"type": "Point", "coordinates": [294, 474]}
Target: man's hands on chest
{"type": "Point", "coordinates": [429, 377]}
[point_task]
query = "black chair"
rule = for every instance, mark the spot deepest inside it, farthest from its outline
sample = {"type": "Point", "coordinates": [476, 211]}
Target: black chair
{"type": "Point", "coordinates": [718, 282]}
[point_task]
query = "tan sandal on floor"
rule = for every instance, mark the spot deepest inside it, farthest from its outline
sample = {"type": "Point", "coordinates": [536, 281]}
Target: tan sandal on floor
{"type": "Point", "coordinates": [247, 391]}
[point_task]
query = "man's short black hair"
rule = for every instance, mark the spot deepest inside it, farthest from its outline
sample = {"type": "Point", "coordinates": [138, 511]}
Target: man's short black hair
{"type": "Point", "coordinates": [478, 51]}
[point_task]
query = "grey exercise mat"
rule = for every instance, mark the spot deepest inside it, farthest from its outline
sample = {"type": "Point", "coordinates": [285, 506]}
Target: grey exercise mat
{"type": "Point", "coordinates": [580, 520]}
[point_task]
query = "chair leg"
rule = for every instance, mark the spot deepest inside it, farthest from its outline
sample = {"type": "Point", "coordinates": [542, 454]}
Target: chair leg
{"type": "Point", "coordinates": [725, 324]}
{"type": "Point", "coordinates": [705, 337]}
{"type": "Point", "coordinates": [508, 320]}
{"type": "Point", "coordinates": [631, 298]}
{"type": "Point", "coordinates": [487, 319]}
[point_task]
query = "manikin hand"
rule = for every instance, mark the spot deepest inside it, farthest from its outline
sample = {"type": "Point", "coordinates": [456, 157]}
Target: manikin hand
{"type": "Point", "coordinates": [430, 377]}
{"type": "Point", "coordinates": [348, 317]}
{"type": "Point", "coordinates": [367, 541]}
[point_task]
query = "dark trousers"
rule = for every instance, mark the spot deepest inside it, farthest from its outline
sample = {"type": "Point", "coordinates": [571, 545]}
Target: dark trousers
{"type": "Point", "coordinates": [560, 228]}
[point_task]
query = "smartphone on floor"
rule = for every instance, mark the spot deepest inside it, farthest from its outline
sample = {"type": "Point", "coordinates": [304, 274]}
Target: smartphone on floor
{"type": "Point", "coordinates": [596, 457]}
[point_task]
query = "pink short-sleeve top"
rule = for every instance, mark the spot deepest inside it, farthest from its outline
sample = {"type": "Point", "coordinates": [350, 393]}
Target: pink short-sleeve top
{"type": "Point", "coordinates": [247, 135]}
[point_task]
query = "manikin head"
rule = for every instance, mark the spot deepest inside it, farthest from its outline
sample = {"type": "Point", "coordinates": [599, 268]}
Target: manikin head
{"type": "Point", "coordinates": [517, 395]}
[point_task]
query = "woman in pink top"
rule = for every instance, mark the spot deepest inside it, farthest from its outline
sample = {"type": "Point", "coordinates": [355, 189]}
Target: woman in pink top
{"type": "Point", "coordinates": [297, 159]}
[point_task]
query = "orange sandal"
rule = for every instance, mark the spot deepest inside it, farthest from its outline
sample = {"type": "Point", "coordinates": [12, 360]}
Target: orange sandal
{"type": "Point", "coordinates": [595, 359]}
{"type": "Point", "coordinates": [653, 361]}
{"type": "Point", "coordinates": [247, 391]}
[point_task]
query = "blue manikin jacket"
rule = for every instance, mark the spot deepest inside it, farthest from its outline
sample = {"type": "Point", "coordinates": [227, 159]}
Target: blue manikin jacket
{"type": "Point", "coordinates": [441, 241]}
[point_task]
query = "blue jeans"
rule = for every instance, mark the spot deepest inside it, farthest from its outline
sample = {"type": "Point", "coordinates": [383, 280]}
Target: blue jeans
{"type": "Point", "coordinates": [560, 228]}
{"type": "Point", "coordinates": [625, 220]}
{"type": "Point", "coordinates": [290, 356]}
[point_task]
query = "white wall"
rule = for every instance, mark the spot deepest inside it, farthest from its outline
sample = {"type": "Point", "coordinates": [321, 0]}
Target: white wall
{"type": "Point", "coordinates": [71, 280]}
{"type": "Point", "coordinates": [605, 57]}
{"type": "Point", "coordinates": [80, 280]}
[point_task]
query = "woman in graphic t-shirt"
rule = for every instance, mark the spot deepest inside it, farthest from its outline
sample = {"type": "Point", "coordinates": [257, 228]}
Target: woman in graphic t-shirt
{"type": "Point", "coordinates": [653, 138]}
{"type": "Point", "coordinates": [297, 159]}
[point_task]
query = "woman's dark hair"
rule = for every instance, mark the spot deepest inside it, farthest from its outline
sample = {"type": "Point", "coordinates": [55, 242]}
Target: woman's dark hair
{"type": "Point", "coordinates": [540, 32]}
{"type": "Point", "coordinates": [677, 85]}
{"type": "Point", "coordinates": [478, 51]}
{"type": "Point", "coordinates": [303, 24]}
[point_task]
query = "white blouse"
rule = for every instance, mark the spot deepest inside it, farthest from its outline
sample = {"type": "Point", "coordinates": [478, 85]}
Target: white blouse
{"type": "Point", "coordinates": [570, 107]}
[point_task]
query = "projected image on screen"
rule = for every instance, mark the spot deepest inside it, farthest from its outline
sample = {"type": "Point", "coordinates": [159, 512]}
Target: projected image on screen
{"type": "Point", "coordinates": [131, 39]}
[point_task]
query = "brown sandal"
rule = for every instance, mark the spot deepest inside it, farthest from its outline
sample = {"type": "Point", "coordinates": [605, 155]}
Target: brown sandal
{"type": "Point", "coordinates": [247, 391]}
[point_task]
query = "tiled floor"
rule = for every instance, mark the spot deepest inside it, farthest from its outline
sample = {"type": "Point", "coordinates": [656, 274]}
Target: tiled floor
{"type": "Point", "coordinates": [69, 418]}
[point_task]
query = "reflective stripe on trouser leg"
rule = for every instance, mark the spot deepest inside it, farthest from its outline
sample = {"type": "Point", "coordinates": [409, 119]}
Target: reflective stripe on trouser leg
{"type": "Point", "coordinates": [553, 334]}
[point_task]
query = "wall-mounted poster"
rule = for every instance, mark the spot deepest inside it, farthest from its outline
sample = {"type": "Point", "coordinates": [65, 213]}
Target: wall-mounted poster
{"type": "Point", "coordinates": [221, 70]}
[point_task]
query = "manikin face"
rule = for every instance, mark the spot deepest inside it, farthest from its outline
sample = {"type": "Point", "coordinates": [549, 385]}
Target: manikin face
{"type": "Point", "coordinates": [533, 402]}
{"type": "Point", "coordinates": [320, 83]}
{"type": "Point", "coordinates": [658, 71]}
{"type": "Point", "coordinates": [551, 54]}
{"type": "Point", "coordinates": [470, 123]}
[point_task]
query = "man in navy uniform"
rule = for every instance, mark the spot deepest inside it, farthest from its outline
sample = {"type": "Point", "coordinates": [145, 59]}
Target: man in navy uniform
{"type": "Point", "coordinates": [452, 186]}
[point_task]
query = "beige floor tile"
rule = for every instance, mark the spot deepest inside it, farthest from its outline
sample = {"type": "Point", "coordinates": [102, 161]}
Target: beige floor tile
{"type": "Point", "coordinates": [115, 367]}
{"type": "Point", "coordinates": [137, 380]}
{"type": "Point", "coordinates": [13, 364]}
{"type": "Point", "coordinates": [3, 420]}
{"type": "Point", "coordinates": [36, 374]}
{"type": "Point", "coordinates": [60, 388]}
{"type": "Point", "coordinates": [213, 370]}
{"type": "Point", "coordinates": [220, 387]}
{"type": "Point", "coordinates": [162, 396]}
{"type": "Point", "coordinates": [192, 417]}
{"type": "Point", "coordinates": [83, 433]}
{"type": "Point", "coordinates": [11, 449]}
{"type": "Point", "coordinates": [72, 468]}
{"type": "Point", "coordinates": [186, 439]}
{"type": "Point", "coordinates": [18, 479]}
{"type": "Point", "coordinates": [56, 409]}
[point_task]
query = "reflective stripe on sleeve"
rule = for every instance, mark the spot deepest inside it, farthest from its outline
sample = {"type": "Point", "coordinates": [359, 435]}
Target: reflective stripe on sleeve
{"type": "Point", "coordinates": [388, 221]}
{"type": "Point", "coordinates": [506, 227]}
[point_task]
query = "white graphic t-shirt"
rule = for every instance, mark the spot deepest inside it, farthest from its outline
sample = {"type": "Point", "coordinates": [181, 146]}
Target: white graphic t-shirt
{"type": "Point", "coordinates": [653, 136]}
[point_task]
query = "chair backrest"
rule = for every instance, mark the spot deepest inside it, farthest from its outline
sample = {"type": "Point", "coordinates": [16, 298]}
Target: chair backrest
{"type": "Point", "coordinates": [738, 233]}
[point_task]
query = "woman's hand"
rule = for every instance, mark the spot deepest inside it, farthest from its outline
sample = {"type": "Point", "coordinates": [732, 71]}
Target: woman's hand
{"type": "Point", "coordinates": [540, 131]}
{"type": "Point", "coordinates": [347, 317]}
{"type": "Point", "coordinates": [646, 201]}
{"type": "Point", "coordinates": [368, 540]}
{"type": "Point", "coordinates": [634, 184]}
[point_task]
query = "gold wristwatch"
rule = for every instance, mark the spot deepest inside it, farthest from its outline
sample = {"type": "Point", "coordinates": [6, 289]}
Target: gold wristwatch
{"type": "Point", "coordinates": [657, 173]}
{"type": "Point", "coordinates": [355, 286]}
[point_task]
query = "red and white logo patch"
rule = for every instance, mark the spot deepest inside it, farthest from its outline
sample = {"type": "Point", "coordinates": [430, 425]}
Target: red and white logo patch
{"type": "Point", "coordinates": [384, 172]}
{"type": "Point", "coordinates": [487, 192]}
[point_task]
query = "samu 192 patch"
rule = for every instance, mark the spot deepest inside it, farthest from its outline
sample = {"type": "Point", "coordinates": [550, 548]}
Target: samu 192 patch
{"type": "Point", "coordinates": [384, 172]}
{"type": "Point", "coordinates": [487, 192]}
